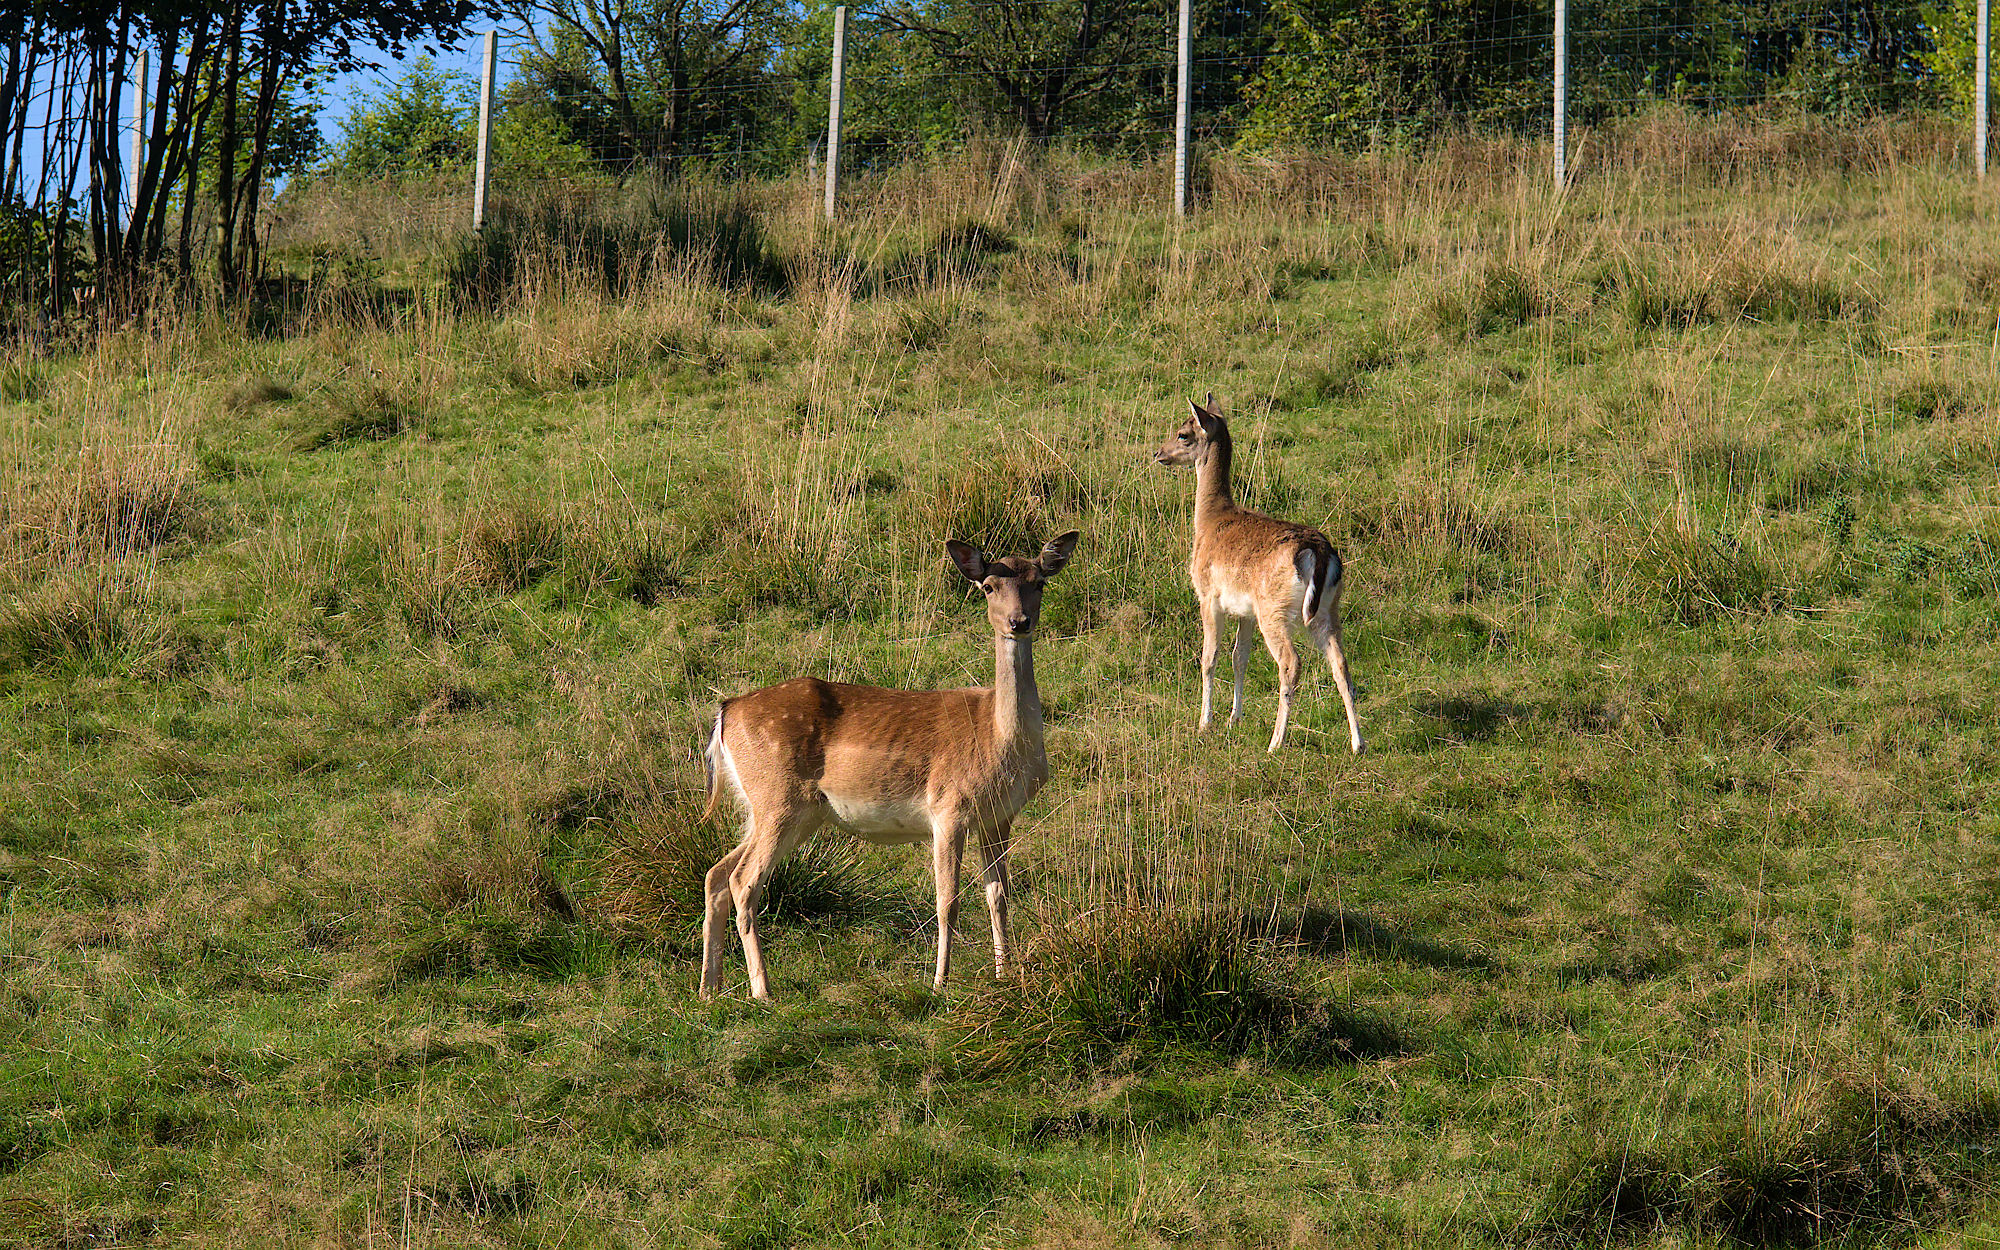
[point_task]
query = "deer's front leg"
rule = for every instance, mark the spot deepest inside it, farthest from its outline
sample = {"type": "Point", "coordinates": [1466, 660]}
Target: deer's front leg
{"type": "Point", "coordinates": [947, 850]}
{"type": "Point", "coordinates": [993, 861]}
{"type": "Point", "coordinates": [1211, 642]}
{"type": "Point", "coordinates": [1242, 662]}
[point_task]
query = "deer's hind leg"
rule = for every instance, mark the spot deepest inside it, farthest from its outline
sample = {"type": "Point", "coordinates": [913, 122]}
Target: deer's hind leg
{"type": "Point", "coordinates": [1326, 635]}
{"type": "Point", "coordinates": [774, 829]}
{"type": "Point", "coordinates": [1275, 623]}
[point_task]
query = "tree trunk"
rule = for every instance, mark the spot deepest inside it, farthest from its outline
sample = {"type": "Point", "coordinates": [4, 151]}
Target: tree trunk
{"type": "Point", "coordinates": [226, 143]}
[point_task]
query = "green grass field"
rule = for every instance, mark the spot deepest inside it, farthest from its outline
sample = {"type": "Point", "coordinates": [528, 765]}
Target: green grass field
{"type": "Point", "coordinates": [354, 660]}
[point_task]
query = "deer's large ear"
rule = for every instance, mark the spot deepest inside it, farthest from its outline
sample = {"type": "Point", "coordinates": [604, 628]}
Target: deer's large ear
{"type": "Point", "coordinates": [1206, 414]}
{"type": "Point", "coordinates": [971, 561]}
{"type": "Point", "coordinates": [1055, 553]}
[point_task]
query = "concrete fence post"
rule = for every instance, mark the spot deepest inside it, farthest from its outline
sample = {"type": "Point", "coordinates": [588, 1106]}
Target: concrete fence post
{"type": "Point", "coordinates": [482, 164]}
{"type": "Point", "coordinates": [1561, 92]}
{"type": "Point", "coordinates": [835, 97]}
{"type": "Point", "coordinates": [1184, 81]}
{"type": "Point", "coordinates": [1981, 88]}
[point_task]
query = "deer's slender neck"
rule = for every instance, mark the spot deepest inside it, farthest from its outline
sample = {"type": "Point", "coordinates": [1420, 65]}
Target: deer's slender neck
{"type": "Point", "coordinates": [1212, 496]}
{"type": "Point", "coordinates": [1017, 705]}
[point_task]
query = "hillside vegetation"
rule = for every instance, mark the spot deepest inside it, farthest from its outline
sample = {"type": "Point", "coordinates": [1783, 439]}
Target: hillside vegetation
{"type": "Point", "coordinates": [355, 651]}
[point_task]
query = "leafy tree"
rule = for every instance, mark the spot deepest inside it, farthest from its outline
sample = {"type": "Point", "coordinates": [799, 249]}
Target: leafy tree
{"type": "Point", "coordinates": [897, 97]}
{"type": "Point", "coordinates": [424, 120]}
{"type": "Point", "coordinates": [1953, 57]}
{"type": "Point", "coordinates": [652, 82]}
{"type": "Point", "coordinates": [1038, 64]}
{"type": "Point", "coordinates": [1354, 72]}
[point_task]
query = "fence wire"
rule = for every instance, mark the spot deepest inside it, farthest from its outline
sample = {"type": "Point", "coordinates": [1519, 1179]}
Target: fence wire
{"type": "Point", "coordinates": [1294, 75]}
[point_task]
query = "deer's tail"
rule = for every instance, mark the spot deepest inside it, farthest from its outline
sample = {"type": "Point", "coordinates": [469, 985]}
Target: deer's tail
{"type": "Point", "coordinates": [711, 762]}
{"type": "Point", "coordinates": [1319, 565]}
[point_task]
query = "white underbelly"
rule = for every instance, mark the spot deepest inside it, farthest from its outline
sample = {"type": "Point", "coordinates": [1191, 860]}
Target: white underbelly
{"type": "Point", "coordinates": [1235, 603]}
{"type": "Point", "coordinates": [886, 822]}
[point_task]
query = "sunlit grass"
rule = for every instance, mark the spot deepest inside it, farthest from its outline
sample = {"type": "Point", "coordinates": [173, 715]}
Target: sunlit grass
{"type": "Point", "coordinates": [353, 675]}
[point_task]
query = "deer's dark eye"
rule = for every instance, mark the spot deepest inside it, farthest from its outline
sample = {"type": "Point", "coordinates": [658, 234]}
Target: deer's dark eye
{"type": "Point", "coordinates": [1187, 438]}
{"type": "Point", "coordinates": [984, 589]}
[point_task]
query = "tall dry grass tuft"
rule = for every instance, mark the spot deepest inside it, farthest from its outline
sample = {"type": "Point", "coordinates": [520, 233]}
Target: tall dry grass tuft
{"type": "Point", "coordinates": [656, 857]}
{"type": "Point", "coordinates": [1126, 987]}
{"type": "Point", "coordinates": [110, 619]}
{"type": "Point", "coordinates": [1848, 1154]}
{"type": "Point", "coordinates": [112, 501]}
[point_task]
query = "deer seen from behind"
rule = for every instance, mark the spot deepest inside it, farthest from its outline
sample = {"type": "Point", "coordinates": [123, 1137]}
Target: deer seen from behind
{"type": "Point", "coordinates": [1248, 568]}
{"type": "Point", "coordinates": [889, 766]}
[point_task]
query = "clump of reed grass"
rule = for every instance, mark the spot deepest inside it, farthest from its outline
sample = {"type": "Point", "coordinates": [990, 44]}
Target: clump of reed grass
{"type": "Point", "coordinates": [611, 245]}
{"type": "Point", "coordinates": [797, 525]}
{"type": "Point", "coordinates": [1674, 292]}
{"type": "Point", "coordinates": [115, 502]}
{"type": "Point", "coordinates": [1342, 377]}
{"type": "Point", "coordinates": [631, 558]}
{"type": "Point", "coordinates": [1691, 575]}
{"type": "Point", "coordinates": [959, 251]}
{"type": "Point", "coordinates": [101, 619]}
{"type": "Point", "coordinates": [1128, 985]}
{"type": "Point", "coordinates": [1857, 1154]}
{"type": "Point", "coordinates": [514, 545]}
{"type": "Point", "coordinates": [657, 857]}
{"type": "Point", "coordinates": [369, 413]}
{"type": "Point", "coordinates": [1431, 518]}
{"type": "Point", "coordinates": [1004, 501]}
{"type": "Point", "coordinates": [1650, 300]}
{"type": "Point", "coordinates": [1930, 399]}
{"type": "Point", "coordinates": [255, 392]}
{"type": "Point", "coordinates": [1503, 296]}
{"type": "Point", "coordinates": [429, 580]}
{"type": "Point", "coordinates": [481, 894]}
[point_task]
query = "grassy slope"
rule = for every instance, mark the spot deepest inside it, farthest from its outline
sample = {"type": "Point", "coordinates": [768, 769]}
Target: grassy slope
{"type": "Point", "coordinates": [1669, 518]}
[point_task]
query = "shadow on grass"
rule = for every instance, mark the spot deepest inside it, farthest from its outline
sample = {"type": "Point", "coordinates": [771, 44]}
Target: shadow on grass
{"type": "Point", "coordinates": [1467, 720]}
{"type": "Point", "coordinates": [1320, 931]}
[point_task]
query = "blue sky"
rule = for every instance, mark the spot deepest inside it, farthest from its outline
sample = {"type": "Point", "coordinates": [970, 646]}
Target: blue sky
{"type": "Point", "coordinates": [348, 91]}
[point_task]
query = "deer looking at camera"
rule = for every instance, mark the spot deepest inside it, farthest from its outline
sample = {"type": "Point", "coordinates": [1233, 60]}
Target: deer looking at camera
{"type": "Point", "coordinates": [1247, 568]}
{"type": "Point", "coordinates": [889, 766]}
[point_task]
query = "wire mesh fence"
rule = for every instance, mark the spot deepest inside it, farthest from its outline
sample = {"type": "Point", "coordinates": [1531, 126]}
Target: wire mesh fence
{"type": "Point", "coordinates": [607, 94]}
{"type": "Point", "coordinates": [574, 107]}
